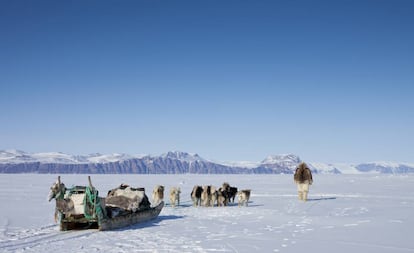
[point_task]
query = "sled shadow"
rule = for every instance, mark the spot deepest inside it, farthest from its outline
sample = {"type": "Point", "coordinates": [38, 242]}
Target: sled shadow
{"type": "Point", "coordinates": [319, 199]}
{"type": "Point", "coordinates": [152, 223]}
{"type": "Point", "coordinates": [168, 217]}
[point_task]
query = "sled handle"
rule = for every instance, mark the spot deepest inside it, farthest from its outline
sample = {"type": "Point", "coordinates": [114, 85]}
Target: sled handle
{"type": "Point", "coordinates": [90, 182]}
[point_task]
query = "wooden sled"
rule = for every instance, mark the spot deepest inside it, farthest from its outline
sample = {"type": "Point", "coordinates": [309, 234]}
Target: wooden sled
{"type": "Point", "coordinates": [131, 219]}
{"type": "Point", "coordinates": [81, 208]}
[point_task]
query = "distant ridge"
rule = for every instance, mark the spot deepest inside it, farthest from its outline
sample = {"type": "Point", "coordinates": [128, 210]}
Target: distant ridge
{"type": "Point", "coordinates": [173, 162]}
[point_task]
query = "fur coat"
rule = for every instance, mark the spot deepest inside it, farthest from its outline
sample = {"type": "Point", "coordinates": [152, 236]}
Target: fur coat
{"type": "Point", "coordinates": [303, 174]}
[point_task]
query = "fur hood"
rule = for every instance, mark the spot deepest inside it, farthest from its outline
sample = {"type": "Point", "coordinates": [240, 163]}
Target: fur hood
{"type": "Point", "coordinates": [303, 166]}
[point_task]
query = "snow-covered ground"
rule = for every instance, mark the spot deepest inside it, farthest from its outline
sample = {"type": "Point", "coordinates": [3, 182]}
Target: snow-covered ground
{"type": "Point", "coordinates": [345, 213]}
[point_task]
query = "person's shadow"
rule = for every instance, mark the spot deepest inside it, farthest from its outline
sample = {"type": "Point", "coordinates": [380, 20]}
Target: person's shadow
{"type": "Point", "coordinates": [321, 198]}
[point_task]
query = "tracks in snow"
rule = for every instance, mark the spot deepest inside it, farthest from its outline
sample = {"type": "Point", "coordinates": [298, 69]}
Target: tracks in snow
{"type": "Point", "coordinates": [30, 238]}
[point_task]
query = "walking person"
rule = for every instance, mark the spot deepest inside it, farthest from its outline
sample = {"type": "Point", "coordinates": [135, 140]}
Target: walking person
{"type": "Point", "coordinates": [303, 178]}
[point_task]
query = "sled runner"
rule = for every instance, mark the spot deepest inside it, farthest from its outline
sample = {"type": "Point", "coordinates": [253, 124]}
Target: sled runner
{"type": "Point", "coordinates": [80, 207]}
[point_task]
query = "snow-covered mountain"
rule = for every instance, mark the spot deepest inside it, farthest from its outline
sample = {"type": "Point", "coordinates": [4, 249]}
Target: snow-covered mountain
{"type": "Point", "coordinates": [173, 162]}
{"type": "Point", "coordinates": [182, 156]}
{"type": "Point", "coordinates": [285, 163]}
{"type": "Point", "coordinates": [18, 156]}
{"type": "Point", "coordinates": [337, 168]}
{"type": "Point", "coordinates": [386, 167]}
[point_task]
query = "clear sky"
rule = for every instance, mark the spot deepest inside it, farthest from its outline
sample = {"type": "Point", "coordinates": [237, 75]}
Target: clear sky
{"type": "Point", "coordinates": [330, 81]}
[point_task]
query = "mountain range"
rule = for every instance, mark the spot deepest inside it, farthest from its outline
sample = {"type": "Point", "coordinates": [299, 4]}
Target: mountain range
{"type": "Point", "coordinates": [175, 162]}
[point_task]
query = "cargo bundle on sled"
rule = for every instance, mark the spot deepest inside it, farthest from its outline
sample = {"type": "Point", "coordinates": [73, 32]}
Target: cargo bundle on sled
{"type": "Point", "coordinates": [80, 207]}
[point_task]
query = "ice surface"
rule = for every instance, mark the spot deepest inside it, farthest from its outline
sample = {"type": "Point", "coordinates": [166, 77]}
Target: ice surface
{"type": "Point", "coordinates": [345, 213]}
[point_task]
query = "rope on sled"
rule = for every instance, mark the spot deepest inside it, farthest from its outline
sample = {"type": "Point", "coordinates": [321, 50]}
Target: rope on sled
{"type": "Point", "coordinates": [92, 199]}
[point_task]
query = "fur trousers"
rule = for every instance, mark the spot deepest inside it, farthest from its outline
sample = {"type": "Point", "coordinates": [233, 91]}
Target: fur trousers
{"type": "Point", "coordinates": [303, 190]}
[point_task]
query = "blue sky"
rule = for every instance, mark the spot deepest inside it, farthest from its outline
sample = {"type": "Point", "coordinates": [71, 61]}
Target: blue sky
{"type": "Point", "coordinates": [330, 81]}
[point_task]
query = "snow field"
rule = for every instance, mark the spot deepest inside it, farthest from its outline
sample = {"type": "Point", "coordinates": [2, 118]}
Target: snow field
{"type": "Point", "coordinates": [359, 213]}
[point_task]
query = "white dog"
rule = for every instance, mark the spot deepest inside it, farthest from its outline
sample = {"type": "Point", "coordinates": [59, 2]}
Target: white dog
{"type": "Point", "coordinates": [175, 196]}
{"type": "Point", "coordinates": [244, 196]}
{"type": "Point", "coordinates": [158, 194]}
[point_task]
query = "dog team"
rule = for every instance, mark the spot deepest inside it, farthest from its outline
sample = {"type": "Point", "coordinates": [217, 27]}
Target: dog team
{"type": "Point", "coordinates": [207, 195]}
